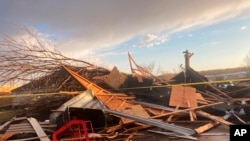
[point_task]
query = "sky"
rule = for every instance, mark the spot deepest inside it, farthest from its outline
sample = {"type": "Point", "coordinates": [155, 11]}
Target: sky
{"type": "Point", "coordinates": [153, 31]}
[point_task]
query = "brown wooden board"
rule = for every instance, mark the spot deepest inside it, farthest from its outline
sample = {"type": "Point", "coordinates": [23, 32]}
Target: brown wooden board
{"type": "Point", "coordinates": [181, 96]}
{"type": "Point", "coordinates": [136, 110]}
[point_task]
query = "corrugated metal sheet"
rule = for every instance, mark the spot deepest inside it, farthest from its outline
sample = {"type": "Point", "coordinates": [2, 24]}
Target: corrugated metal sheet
{"type": "Point", "coordinates": [160, 124]}
{"type": "Point", "coordinates": [83, 100]}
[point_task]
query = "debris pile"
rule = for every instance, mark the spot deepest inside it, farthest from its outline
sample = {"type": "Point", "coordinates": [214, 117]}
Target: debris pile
{"type": "Point", "coordinates": [93, 103]}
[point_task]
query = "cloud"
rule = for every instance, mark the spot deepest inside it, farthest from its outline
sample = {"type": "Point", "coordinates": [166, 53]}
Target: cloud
{"type": "Point", "coordinates": [78, 26]}
{"type": "Point", "coordinates": [243, 28]}
{"type": "Point", "coordinates": [150, 40]}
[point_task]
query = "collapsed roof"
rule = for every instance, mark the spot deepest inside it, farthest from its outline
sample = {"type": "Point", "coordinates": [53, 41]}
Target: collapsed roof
{"type": "Point", "coordinates": [60, 80]}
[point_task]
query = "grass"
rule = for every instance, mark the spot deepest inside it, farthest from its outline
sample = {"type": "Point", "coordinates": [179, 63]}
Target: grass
{"type": "Point", "coordinates": [6, 115]}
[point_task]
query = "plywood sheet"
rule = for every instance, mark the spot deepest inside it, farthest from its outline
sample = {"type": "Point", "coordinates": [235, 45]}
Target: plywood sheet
{"type": "Point", "coordinates": [181, 96]}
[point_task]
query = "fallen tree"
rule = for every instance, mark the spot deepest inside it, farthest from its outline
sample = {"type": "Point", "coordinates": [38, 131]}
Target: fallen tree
{"type": "Point", "coordinates": [29, 58]}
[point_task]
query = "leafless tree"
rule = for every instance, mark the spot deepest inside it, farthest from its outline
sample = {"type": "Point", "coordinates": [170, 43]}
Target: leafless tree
{"type": "Point", "coordinates": [23, 60]}
{"type": "Point", "coordinates": [247, 59]}
{"type": "Point", "coordinates": [247, 62]}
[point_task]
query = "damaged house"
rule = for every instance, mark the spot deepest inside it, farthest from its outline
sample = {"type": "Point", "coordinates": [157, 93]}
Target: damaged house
{"type": "Point", "coordinates": [115, 102]}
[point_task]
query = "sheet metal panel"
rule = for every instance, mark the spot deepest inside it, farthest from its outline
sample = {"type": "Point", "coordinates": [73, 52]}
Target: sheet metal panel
{"type": "Point", "coordinates": [174, 128]}
{"type": "Point", "coordinates": [38, 129]}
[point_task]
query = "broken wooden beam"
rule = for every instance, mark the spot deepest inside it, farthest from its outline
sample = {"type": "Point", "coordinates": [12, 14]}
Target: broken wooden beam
{"type": "Point", "coordinates": [206, 127]}
{"type": "Point", "coordinates": [210, 125]}
{"type": "Point", "coordinates": [215, 118]}
{"type": "Point", "coordinates": [186, 110]}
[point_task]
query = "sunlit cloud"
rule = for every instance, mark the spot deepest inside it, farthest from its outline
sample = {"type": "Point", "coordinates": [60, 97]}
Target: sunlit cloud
{"type": "Point", "coordinates": [150, 40]}
{"type": "Point", "coordinates": [243, 28]}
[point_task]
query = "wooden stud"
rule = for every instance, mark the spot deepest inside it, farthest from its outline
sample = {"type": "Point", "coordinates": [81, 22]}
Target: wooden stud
{"type": "Point", "coordinates": [206, 127]}
{"type": "Point", "coordinates": [171, 116]}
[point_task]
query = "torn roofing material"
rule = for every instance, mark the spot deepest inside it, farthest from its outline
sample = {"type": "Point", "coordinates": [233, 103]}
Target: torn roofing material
{"type": "Point", "coordinates": [143, 91]}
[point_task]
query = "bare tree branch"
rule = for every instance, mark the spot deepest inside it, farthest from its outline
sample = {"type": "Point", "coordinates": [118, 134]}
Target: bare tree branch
{"type": "Point", "coordinates": [23, 60]}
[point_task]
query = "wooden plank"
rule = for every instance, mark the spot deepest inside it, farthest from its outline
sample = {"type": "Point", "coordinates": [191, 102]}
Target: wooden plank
{"type": "Point", "coordinates": [69, 92]}
{"type": "Point", "coordinates": [130, 136]}
{"type": "Point", "coordinates": [221, 92]}
{"type": "Point", "coordinates": [206, 127]}
{"type": "Point", "coordinates": [110, 98]}
{"type": "Point", "coordinates": [121, 104]}
{"type": "Point", "coordinates": [194, 115]}
{"type": "Point", "coordinates": [210, 125]}
{"type": "Point", "coordinates": [190, 112]}
{"type": "Point", "coordinates": [113, 128]}
{"type": "Point", "coordinates": [186, 110]}
{"type": "Point", "coordinates": [171, 116]}
{"type": "Point", "coordinates": [215, 118]}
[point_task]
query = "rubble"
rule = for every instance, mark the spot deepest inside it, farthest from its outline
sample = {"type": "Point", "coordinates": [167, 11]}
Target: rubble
{"type": "Point", "coordinates": [116, 104]}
